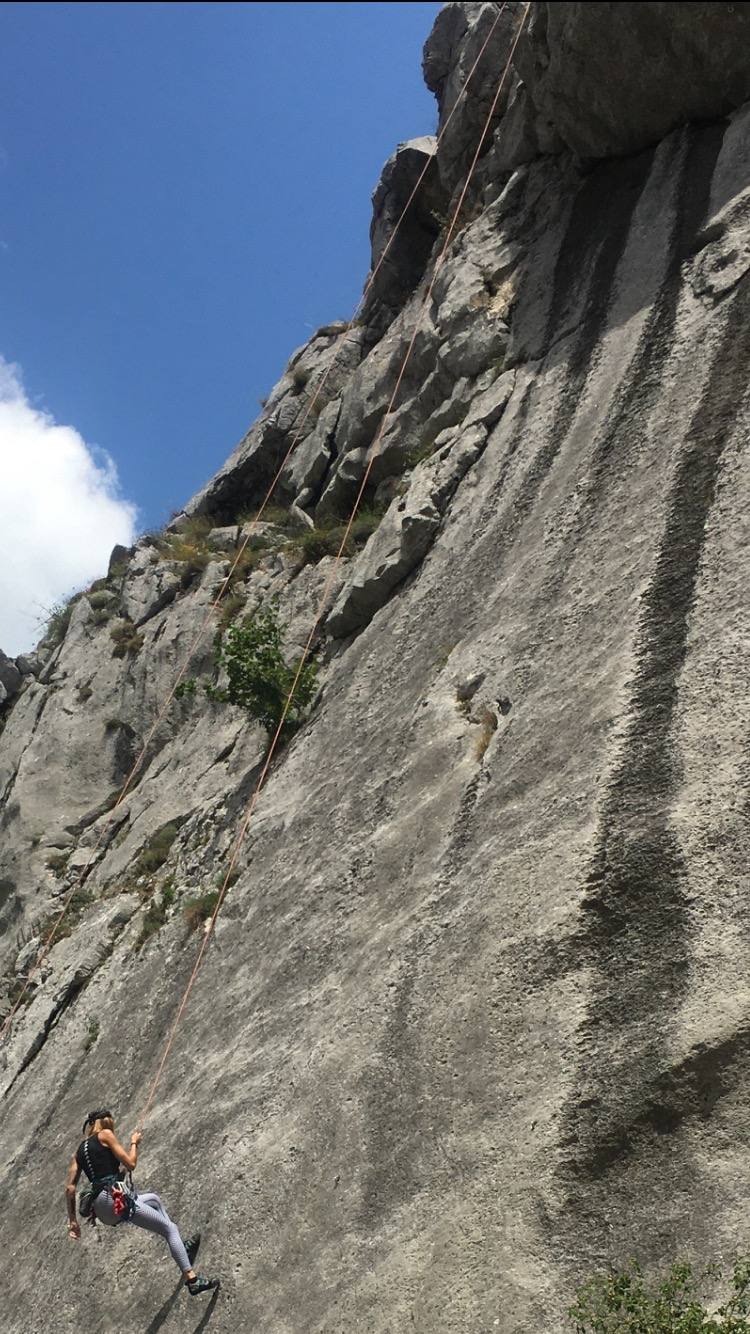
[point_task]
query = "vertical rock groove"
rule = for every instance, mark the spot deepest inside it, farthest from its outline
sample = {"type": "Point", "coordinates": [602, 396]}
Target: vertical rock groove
{"type": "Point", "coordinates": [638, 939]}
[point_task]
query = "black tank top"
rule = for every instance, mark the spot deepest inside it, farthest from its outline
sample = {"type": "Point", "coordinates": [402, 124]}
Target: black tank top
{"type": "Point", "coordinates": [96, 1160]}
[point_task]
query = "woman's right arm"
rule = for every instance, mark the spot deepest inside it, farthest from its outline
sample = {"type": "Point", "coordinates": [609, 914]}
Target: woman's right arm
{"type": "Point", "coordinates": [108, 1139]}
{"type": "Point", "coordinates": [74, 1171]}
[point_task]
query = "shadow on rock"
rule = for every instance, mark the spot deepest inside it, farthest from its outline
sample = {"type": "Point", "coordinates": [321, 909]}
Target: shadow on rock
{"type": "Point", "coordinates": [202, 1323]}
{"type": "Point", "coordinates": [160, 1317]}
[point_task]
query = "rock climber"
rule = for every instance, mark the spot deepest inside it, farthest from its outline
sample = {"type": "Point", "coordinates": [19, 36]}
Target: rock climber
{"type": "Point", "coordinates": [110, 1200]}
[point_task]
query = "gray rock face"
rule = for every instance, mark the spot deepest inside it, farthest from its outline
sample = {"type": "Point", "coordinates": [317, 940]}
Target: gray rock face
{"type": "Point", "coordinates": [407, 531]}
{"type": "Point", "coordinates": [615, 78]}
{"type": "Point", "coordinates": [10, 678]}
{"type": "Point", "coordinates": [149, 588]}
{"type": "Point", "coordinates": [27, 955]}
{"type": "Point", "coordinates": [399, 257]}
{"type": "Point", "coordinates": [450, 53]}
{"type": "Point", "coordinates": [28, 664]}
{"type": "Point", "coordinates": [472, 1024]}
{"type": "Point", "coordinates": [311, 460]}
{"type": "Point", "coordinates": [595, 79]}
{"type": "Point", "coordinates": [324, 365]}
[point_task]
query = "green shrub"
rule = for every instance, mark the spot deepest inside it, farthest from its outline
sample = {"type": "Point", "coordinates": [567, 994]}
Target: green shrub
{"type": "Point", "coordinates": [186, 689]}
{"type": "Point", "coordinates": [300, 378]}
{"type": "Point", "coordinates": [315, 543]}
{"type": "Point", "coordinates": [154, 853]}
{"type": "Point", "coordinates": [626, 1303]}
{"type": "Point", "coordinates": [126, 639]}
{"type": "Point", "coordinates": [199, 910]}
{"type": "Point", "coordinates": [365, 523]}
{"type": "Point", "coordinates": [258, 677]}
{"type": "Point", "coordinates": [222, 878]}
{"type": "Point", "coordinates": [92, 1033]}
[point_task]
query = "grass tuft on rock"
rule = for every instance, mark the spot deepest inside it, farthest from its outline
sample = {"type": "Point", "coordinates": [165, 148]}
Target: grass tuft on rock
{"type": "Point", "coordinates": [487, 729]}
{"type": "Point", "coordinates": [197, 911]}
{"type": "Point", "coordinates": [79, 901]}
{"type": "Point", "coordinates": [156, 851]}
{"type": "Point", "coordinates": [57, 861]}
{"type": "Point", "coordinates": [57, 620]}
{"type": "Point", "coordinates": [315, 543]}
{"type": "Point", "coordinates": [126, 639]}
{"type": "Point", "coordinates": [300, 378]}
{"type": "Point", "coordinates": [229, 608]}
{"type": "Point", "coordinates": [156, 914]}
{"type": "Point", "coordinates": [276, 517]}
{"type": "Point", "coordinates": [92, 1033]}
{"type": "Point", "coordinates": [189, 547]}
{"type": "Point", "coordinates": [101, 598]}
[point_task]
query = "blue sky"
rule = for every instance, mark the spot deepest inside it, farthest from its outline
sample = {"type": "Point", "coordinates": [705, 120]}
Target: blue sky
{"type": "Point", "coordinates": [184, 196]}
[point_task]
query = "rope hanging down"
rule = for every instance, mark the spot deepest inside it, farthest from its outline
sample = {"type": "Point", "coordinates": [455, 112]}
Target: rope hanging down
{"type": "Point", "coordinates": [205, 623]}
{"type": "Point", "coordinates": [328, 586]}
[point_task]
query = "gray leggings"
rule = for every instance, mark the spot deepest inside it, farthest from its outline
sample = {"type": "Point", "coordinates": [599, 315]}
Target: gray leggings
{"type": "Point", "coordinates": [151, 1215]}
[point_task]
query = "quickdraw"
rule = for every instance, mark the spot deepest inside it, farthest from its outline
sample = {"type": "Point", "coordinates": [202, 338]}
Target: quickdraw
{"type": "Point", "coordinates": [123, 1202]}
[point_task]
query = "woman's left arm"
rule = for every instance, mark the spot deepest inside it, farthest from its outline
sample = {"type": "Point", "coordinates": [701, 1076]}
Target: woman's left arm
{"type": "Point", "coordinates": [74, 1227]}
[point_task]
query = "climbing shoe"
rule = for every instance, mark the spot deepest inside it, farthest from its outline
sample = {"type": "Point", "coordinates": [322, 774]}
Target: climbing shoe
{"type": "Point", "coordinates": [191, 1245]}
{"type": "Point", "coordinates": [201, 1284]}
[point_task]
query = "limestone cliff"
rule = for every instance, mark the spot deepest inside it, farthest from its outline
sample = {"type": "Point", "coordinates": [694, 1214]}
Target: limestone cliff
{"type": "Point", "coordinates": [475, 1017]}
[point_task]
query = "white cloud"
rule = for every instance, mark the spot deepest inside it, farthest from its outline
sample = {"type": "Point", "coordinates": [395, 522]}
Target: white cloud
{"type": "Point", "coordinates": [60, 513]}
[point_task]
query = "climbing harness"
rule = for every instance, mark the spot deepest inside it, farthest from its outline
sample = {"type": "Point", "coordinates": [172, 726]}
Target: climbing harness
{"type": "Point", "coordinates": [193, 648]}
{"type": "Point", "coordinates": [121, 1192]}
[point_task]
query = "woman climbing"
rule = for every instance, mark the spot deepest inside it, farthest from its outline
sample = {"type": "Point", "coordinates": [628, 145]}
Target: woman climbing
{"type": "Point", "coordinates": [101, 1156]}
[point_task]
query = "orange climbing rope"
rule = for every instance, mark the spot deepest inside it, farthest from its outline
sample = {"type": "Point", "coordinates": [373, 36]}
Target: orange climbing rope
{"type": "Point", "coordinates": [327, 589]}
{"type": "Point", "coordinates": [203, 627]}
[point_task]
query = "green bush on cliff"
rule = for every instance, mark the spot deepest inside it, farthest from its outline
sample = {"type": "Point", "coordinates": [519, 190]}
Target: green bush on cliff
{"type": "Point", "coordinates": [258, 679]}
{"type": "Point", "coordinates": [626, 1303]}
